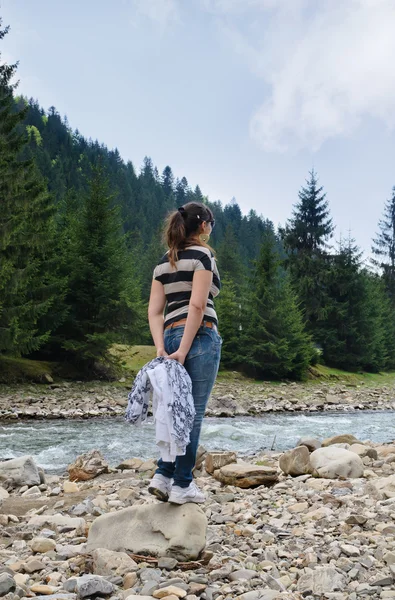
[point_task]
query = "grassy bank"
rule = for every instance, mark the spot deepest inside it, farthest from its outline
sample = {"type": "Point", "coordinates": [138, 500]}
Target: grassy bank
{"type": "Point", "coordinates": [131, 358]}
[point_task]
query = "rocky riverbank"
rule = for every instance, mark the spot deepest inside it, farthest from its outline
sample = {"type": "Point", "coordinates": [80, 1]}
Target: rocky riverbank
{"type": "Point", "coordinates": [230, 398]}
{"type": "Point", "coordinates": [327, 533]}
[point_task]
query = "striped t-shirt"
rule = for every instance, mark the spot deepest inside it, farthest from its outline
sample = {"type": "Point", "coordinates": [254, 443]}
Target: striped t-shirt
{"type": "Point", "coordinates": [178, 282]}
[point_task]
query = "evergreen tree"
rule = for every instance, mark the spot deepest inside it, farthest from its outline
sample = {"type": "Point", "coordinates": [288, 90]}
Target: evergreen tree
{"type": "Point", "coordinates": [228, 309]}
{"type": "Point", "coordinates": [275, 342]}
{"type": "Point", "coordinates": [305, 238]}
{"type": "Point", "coordinates": [384, 247]}
{"type": "Point", "coordinates": [353, 331]}
{"type": "Point", "coordinates": [228, 256]}
{"type": "Point", "coordinates": [27, 261]}
{"type": "Point", "coordinates": [103, 298]}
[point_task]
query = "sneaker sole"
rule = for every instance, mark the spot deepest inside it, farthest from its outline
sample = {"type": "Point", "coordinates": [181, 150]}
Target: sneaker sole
{"type": "Point", "coordinates": [162, 496]}
{"type": "Point", "coordinates": [180, 501]}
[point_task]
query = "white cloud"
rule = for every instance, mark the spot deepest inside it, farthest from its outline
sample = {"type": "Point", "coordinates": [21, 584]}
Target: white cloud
{"type": "Point", "coordinates": [161, 12]}
{"type": "Point", "coordinates": [327, 65]}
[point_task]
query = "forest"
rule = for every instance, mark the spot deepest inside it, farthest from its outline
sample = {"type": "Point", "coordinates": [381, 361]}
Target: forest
{"type": "Point", "coordinates": [80, 234]}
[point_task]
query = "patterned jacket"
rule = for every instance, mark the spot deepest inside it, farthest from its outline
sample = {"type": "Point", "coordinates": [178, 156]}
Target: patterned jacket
{"type": "Point", "coordinates": [167, 382]}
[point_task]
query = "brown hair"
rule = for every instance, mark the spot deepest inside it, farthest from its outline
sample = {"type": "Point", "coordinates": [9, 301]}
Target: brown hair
{"type": "Point", "coordinates": [182, 224]}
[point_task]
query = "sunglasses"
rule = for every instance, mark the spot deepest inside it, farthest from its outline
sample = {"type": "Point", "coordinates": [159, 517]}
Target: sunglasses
{"type": "Point", "coordinates": [212, 223]}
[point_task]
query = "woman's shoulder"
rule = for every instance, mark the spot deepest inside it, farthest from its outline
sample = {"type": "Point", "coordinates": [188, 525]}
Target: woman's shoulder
{"type": "Point", "coordinates": [202, 249]}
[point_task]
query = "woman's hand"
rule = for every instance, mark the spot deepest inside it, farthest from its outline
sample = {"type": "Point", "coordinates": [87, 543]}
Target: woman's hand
{"type": "Point", "coordinates": [179, 356]}
{"type": "Point", "coordinates": [161, 352]}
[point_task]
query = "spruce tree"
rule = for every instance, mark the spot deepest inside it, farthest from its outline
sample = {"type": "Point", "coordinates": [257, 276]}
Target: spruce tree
{"type": "Point", "coordinates": [306, 238]}
{"type": "Point", "coordinates": [28, 287]}
{"type": "Point", "coordinates": [275, 343]}
{"type": "Point", "coordinates": [228, 307]}
{"type": "Point", "coordinates": [103, 296]}
{"type": "Point", "coordinates": [384, 247]}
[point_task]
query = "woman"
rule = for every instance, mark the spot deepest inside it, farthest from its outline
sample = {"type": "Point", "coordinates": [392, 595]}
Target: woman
{"type": "Point", "coordinates": [186, 280]}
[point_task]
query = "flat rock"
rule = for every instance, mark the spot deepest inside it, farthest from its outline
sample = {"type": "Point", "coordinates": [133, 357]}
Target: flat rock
{"type": "Point", "coordinates": [42, 544]}
{"type": "Point", "coordinates": [57, 520]}
{"type": "Point", "coordinates": [90, 585]}
{"type": "Point", "coordinates": [244, 475]}
{"type": "Point", "coordinates": [321, 581]}
{"type": "Point", "coordinates": [156, 529]}
{"type": "Point", "coordinates": [7, 584]}
{"type": "Point", "coordinates": [382, 487]}
{"type": "Point", "coordinates": [332, 463]}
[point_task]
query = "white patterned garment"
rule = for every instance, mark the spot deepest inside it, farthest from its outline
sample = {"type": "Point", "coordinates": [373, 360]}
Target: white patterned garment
{"type": "Point", "coordinates": [169, 385]}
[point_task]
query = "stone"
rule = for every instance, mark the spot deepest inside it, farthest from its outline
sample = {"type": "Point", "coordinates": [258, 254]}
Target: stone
{"type": "Point", "coordinates": [363, 451]}
{"type": "Point", "coordinates": [165, 562]}
{"type": "Point", "coordinates": [57, 520]}
{"type": "Point", "coordinates": [382, 487]}
{"type": "Point", "coordinates": [167, 591]}
{"type": "Point", "coordinates": [33, 492]}
{"type": "Point", "coordinates": [70, 487]}
{"type": "Point", "coordinates": [129, 580]}
{"type": "Point", "coordinates": [321, 581]}
{"type": "Point", "coordinates": [107, 562]}
{"type": "Point", "coordinates": [296, 461]}
{"type": "Point", "coordinates": [87, 466]}
{"type": "Point", "coordinates": [42, 545]}
{"type": "Point", "coordinates": [260, 594]}
{"type": "Point", "coordinates": [57, 596]}
{"type": "Point", "coordinates": [91, 585]}
{"type": "Point", "coordinates": [156, 529]}
{"type": "Point", "coordinates": [130, 463]}
{"type": "Point", "coordinates": [40, 588]}
{"type": "Point", "coordinates": [310, 443]}
{"type": "Point", "coordinates": [216, 460]}
{"type": "Point", "coordinates": [20, 471]}
{"type": "Point", "coordinates": [299, 507]}
{"type": "Point", "coordinates": [7, 584]}
{"type": "Point", "coordinates": [244, 475]}
{"type": "Point", "coordinates": [133, 596]}
{"type": "Point", "coordinates": [345, 438]}
{"type": "Point", "coordinates": [242, 574]}
{"type": "Point", "coordinates": [34, 565]}
{"type": "Point", "coordinates": [3, 493]}
{"type": "Point", "coordinates": [334, 463]}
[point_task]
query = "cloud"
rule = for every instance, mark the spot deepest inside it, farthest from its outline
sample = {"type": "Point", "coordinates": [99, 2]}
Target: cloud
{"type": "Point", "coordinates": [326, 65]}
{"type": "Point", "coordinates": [160, 12]}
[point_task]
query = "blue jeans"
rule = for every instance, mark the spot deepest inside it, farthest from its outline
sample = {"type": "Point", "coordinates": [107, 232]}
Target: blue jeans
{"type": "Point", "coordinates": [202, 364]}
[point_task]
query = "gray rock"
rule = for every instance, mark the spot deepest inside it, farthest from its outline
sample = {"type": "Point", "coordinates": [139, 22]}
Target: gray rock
{"type": "Point", "coordinates": [90, 585]}
{"type": "Point", "coordinates": [320, 581]}
{"type": "Point", "coordinates": [165, 562]}
{"type": "Point", "coordinates": [107, 562]}
{"type": "Point", "coordinates": [7, 584]}
{"type": "Point", "coordinates": [332, 463]}
{"type": "Point", "coordinates": [155, 529]}
{"type": "Point", "coordinates": [20, 471]}
{"type": "Point", "coordinates": [310, 443]}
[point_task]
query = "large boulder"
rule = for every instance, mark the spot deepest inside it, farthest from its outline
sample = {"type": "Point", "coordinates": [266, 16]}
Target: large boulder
{"type": "Point", "coordinates": [344, 438]}
{"type": "Point", "coordinates": [216, 460]}
{"type": "Point", "coordinates": [364, 451]}
{"type": "Point", "coordinates": [334, 463]}
{"type": "Point", "coordinates": [87, 466]}
{"type": "Point", "coordinates": [310, 443]}
{"type": "Point", "coordinates": [296, 461]}
{"type": "Point", "coordinates": [382, 487]}
{"type": "Point", "coordinates": [154, 529]}
{"type": "Point", "coordinates": [244, 475]}
{"type": "Point", "coordinates": [21, 471]}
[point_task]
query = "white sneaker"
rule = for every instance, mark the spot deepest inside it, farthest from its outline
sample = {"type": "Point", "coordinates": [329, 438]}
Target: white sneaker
{"type": "Point", "coordinates": [179, 495]}
{"type": "Point", "coordinates": [160, 486]}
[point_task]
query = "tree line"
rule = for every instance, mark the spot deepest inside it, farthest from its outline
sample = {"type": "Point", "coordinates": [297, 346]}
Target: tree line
{"type": "Point", "coordinates": [80, 235]}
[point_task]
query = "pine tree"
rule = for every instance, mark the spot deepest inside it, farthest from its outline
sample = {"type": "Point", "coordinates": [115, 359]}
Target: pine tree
{"type": "Point", "coordinates": [103, 297]}
{"type": "Point", "coordinates": [305, 238]}
{"type": "Point", "coordinates": [275, 342]}
{"type": "Point", "coordinates": [229, 309]}
{"type": "Point", "coordinates": [27, 260]}
{"type": "Point", "coordinates": [384, 247]}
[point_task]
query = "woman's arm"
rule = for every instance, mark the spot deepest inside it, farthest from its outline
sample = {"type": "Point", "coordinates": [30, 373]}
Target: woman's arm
{"type": "Point", "coordinates": [200, 290]}
{"type": "Point", "coordinates": [156, 307]}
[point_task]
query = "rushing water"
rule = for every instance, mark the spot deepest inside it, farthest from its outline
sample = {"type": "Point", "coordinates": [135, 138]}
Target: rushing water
{"type": "Point", "coordinates": [56, 443]}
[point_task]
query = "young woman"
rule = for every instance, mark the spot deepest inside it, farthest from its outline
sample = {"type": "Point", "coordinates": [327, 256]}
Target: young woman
{"type": "Point", "coordinates": [185, 281]}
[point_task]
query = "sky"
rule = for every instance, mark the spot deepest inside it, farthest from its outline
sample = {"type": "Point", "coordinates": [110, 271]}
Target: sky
{"type": "Point", "coordinates": [242, 97]}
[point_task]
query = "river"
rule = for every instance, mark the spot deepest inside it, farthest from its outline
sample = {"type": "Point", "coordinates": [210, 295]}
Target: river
{"type": "Point", "coordinates": [56, 443]}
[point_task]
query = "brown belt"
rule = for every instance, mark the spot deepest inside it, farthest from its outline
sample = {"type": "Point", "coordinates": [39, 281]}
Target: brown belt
{"type": "Point", "coordinates": [208, 324]}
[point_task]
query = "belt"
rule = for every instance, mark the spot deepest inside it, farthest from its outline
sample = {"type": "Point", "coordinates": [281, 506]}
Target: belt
{"type": "Point", "coordinates": [208, 324]}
